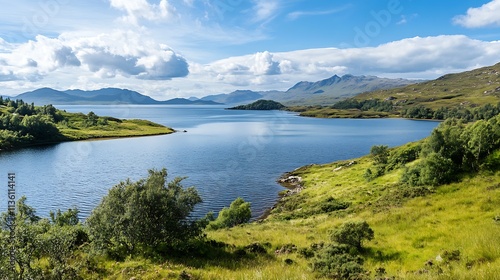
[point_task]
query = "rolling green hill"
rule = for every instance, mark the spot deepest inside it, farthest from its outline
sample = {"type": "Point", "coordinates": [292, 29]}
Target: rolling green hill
{"type": "Point", "coordinates": [461, 92]}
{"type": "Point", "coordinates": [467, 89]}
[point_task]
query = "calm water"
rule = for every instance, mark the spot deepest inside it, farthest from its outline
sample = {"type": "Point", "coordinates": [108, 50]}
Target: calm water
{"type": "Point", "coordinates": [225, 154]}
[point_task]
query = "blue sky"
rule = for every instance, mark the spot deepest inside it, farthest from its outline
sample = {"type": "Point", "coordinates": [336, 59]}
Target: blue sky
{"type": "Point", "coordinates": [182, 48]}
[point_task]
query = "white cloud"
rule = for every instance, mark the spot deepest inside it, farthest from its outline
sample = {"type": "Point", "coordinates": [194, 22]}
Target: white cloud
{"type": "Point", "coordinates": [265, 10]}
{"type": "Point", "coordinates": [409, 58]}
{"type": "Point", "coordinates": [141, 10]}
{"type": "Point", "coordinates": [297, 14]}
{"type": "Point", "coordinates": [106, 55]}
{"type": "Point", "coordinates": [124, 58]}
{"type": "Point", "coordinates": [486, 15]}
{"type": "Point", "coordinates": [264, 64]}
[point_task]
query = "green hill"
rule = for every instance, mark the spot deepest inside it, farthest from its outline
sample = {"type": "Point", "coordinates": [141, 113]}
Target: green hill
{"type": "Point", "coordinates": [462, 92]}
{"type": "Point", "coordinates": [260, 105]}
{"type": "Point", "coordinates": [467, 89]}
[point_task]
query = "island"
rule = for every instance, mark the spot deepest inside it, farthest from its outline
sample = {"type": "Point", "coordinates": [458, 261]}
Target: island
{"type": "Point", "coordinates": [23, 124]}
{"type": "Point", "coordinates": [260, 105]}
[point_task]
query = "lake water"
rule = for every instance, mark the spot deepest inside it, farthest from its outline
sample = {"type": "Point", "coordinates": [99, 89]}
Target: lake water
{"type": "Point", "coordinates": [224, 153]}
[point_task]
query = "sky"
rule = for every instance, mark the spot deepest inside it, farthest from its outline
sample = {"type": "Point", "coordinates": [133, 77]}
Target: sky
{"type": "Point", "coordinates": [183, 48]}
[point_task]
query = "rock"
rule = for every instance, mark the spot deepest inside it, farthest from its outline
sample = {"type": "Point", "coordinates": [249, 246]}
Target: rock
{"type": "Point", "coordinates": [291, 180]}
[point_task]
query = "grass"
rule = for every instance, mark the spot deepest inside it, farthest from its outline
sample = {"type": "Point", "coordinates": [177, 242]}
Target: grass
{"type": "Point", "coordinates": [75, 129]}
{"type": "Point", "coordinates": [408, 232]}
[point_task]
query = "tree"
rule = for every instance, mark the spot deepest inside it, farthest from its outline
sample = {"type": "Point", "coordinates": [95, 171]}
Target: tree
{"type": "Point", "coordinates": [380, 154]}
{"type": "Point", "coordinates": [40, 127]}
{"type": "Point", "coordinates": [353, 233]}
{"type": "Point", "coordinates": [479, 140]}
{"type": "Point", "coordinates": [437, 170]}
{"type": "Point", "coordinates": [238, 213]}
{"type": "Point", "coordinates": [145, 213]}
{"type": "Point", "coordinates": [91, 119]}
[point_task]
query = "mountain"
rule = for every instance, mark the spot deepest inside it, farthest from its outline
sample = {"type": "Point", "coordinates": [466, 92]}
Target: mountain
{"type": "Point", "coordinates": [330, 90]}
{"type": "Point", "coordinates": [45, 96]}
{"type": "Point", "coordinates": [235, 97]}
{"type": "Point", "coordinates": [324, 92]}
{"type": "Point", "coordinates": [113, 95]}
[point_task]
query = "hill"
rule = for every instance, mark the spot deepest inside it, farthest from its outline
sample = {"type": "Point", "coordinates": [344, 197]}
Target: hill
{"type": "Point", "coordinates": [464, 95]}
{"type": "Point", "coordinates": [260, 105]}
{"type": "Point", "coordinates": [45, 96]}
{"type": "Point", "coordinates": [467, 89]}
{"type": "Point", "coordinates": [327, 91]}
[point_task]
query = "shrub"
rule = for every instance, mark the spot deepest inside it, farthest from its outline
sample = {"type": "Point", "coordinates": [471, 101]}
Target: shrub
{"type": "Point", "coordinates": [337, 262]}
{"type": "Point", "coordinates": [238, 213]}
{"type": "Point", "coordinates": [353, 233]}
{"type": "Point", "coordinates": [380, 154]}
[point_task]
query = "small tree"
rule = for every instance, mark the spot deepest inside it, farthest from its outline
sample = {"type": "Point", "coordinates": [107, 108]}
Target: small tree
{"type": "Point", "coordinates": [380, 154]}
{"type": "Point", "coordinates": [353, 233]}
{"type": "Point", "coordinates": [145, 213]}
{"type": "Point", "coordinates": [238, 213]}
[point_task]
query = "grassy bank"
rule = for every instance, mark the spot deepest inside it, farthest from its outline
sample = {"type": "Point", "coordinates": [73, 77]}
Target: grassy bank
{"type": "Point", "coordinates": [412, 233]}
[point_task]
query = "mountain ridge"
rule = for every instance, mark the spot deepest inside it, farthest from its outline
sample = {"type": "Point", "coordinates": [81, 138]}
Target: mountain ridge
{"type": "Point", "coordinates": [326, 91]}
{"type": "Point", "coordinates": [45, 96]}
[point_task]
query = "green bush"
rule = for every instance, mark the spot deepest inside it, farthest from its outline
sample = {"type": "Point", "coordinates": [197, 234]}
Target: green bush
{"type": "Point", "coordinates": [353, 233]}
{"type": "Point", "coordinates": [144, 214]}
{"type": "Point", "coordinates": [238, 213]}
{"type": "Point", "coordinates": [380, 154]}
{"type": "Point", "coordinates": [337, 262]}
{"type": "Point", "coordinates": [401, 156]}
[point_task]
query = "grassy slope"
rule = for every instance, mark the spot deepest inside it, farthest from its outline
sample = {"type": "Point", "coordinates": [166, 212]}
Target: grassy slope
{"type": "Point", "coordinates": [115, 128]}
{"type": "Point", "coordinates": [408, 233]}
{"type": "Point", "coordinates": [458, 216]}
{"type": "Point", "coordinates": [467, 89]}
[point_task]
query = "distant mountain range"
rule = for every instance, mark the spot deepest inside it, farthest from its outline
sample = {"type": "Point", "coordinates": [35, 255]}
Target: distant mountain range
{"type": "Point", "coordinates": [324, 92]}
{"type": "Point", "coordinates": [327, 91]}
{"type": "Point", "coordinates": [45, 96]}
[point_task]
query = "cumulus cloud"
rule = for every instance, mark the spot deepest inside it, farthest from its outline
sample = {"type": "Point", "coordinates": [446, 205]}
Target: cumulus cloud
{"type": "Point", "coordinates": [122, 53]}
{"type": "Point", "coordinates": [486, 15]}
{"type": "Point", "coordinates": [137, 10]}
{"type": "Point", "coordinates": [264, 64]}
{"type": "Point", "coordinates": [410, 58]}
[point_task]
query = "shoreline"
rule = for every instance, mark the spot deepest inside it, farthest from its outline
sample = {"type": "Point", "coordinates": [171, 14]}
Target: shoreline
{"type": "Point", "coordinates": [99, 138]}
{"type": "Point", "coordinates": [293, 186]}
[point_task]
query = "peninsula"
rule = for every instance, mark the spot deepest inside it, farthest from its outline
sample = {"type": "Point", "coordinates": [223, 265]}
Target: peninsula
{"type": "Point", "coordinates": [23, 124]}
